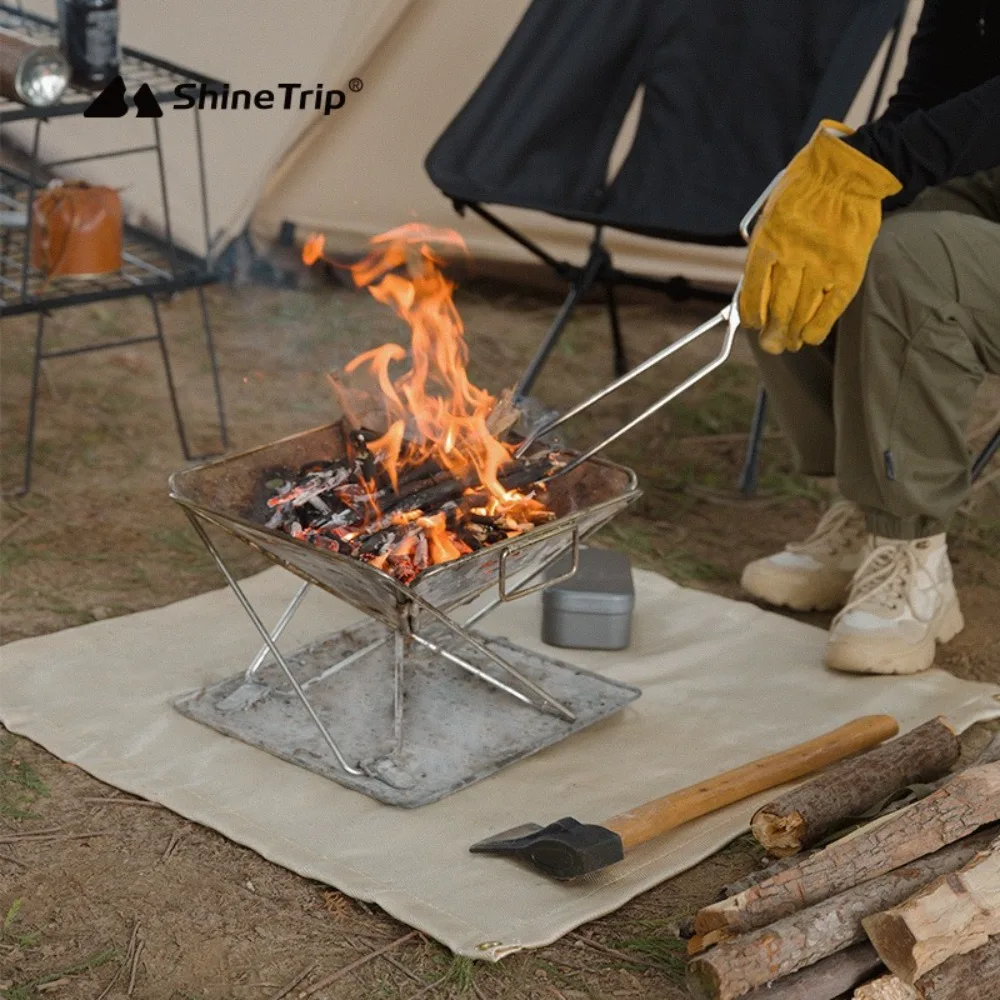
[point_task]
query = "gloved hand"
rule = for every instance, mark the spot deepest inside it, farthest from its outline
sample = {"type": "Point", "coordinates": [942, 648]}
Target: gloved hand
{"type": "Point", "coordinates": [810, 246]}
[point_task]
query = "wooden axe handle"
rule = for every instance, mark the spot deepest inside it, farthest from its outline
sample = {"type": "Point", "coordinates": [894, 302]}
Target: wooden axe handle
{"type": "Point", "coordinates": [644, 822]}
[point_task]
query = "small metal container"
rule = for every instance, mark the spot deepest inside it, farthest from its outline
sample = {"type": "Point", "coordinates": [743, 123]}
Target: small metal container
{"type": "Point", "coordinates": [593, 609]}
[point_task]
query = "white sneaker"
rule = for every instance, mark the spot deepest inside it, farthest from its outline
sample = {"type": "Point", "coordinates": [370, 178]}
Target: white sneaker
{"type": "Point", "coordinates": [813, 575]}
{"type": "Point", "coordinates": [902, 603]}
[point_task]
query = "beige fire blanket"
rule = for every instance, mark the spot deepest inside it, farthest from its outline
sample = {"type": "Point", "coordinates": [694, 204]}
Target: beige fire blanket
{"type": "Point", "coordinates": [723, 682]}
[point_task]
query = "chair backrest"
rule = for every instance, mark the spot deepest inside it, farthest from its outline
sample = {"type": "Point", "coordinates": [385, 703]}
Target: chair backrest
{"type": "Point", "coordinates": [732, 89]}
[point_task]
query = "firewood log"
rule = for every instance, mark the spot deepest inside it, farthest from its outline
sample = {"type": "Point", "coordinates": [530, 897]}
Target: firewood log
{"type": "Point", "coordinates": [774, 867]}
{"type": "Point", "coordinates": [975, 976]}
{"type": "Point", "coordinates": [952, 916]}
{"type": "Point", "coordinates": [803, 816]}
{"type": "Point", "coordinates": [826, 980]}
{"type": "Point", "coordinates": [971, 799]}
{"type": "Point", "coordinates": [885, 988]}
{"type": "Point", "coordinates": [735, 967]}
{"type": "Point", "coordinates": [755, 878]}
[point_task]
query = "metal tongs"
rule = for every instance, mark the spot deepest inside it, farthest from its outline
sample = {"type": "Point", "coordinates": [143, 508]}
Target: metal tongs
{"type": "Point", "coordinates": [729, 316]}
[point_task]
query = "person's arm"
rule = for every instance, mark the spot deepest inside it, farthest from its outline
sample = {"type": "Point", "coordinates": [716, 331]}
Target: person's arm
{"type": "Point", "coordinates": [934, 64]}
{"type": "Point", "coordinates": [958, 137]}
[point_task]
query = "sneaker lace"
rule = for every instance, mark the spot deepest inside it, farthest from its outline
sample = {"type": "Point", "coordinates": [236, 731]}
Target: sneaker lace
{"type": "Point", "coordinates": [882, 580]}
{"type": "Point", "coordinates": [841, 527]}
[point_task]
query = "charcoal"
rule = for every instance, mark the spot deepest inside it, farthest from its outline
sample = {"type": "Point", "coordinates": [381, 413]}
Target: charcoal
{"type": "Point", "coordinates": [324, 500]}
{"type": "Point", "coordinates": [376, 542]}
{"type": "Point", "coordinates": [469, 537]}
{"type": "Point", "coordinates": [483, 519]}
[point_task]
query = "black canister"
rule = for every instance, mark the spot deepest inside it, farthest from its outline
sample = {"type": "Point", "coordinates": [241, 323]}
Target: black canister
{"type": "Point", "coordinates": [88, 32]}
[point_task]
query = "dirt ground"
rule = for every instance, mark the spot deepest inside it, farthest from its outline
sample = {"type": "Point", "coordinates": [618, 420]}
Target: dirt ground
{"type": "Point", "coordinates": [152, 906]}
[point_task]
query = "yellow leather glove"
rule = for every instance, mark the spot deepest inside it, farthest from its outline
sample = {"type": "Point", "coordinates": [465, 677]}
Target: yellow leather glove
{"type": "Point", "coordinates": [810, 246]}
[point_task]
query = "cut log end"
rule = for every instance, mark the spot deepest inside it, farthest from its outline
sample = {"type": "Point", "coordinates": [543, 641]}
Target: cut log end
{"type": "Point", "coordinates": [802, 817]}
{"type": "Point", "coordinates": [895, 943]}
{"type": "Point", "coordinates": [885, 988]}
{"type": "Point", "coordinates": [954, 915]}
{"type": "Point", "coordinates": [703, 981]}
{"type": "Point", "coordinates": [783, 836]}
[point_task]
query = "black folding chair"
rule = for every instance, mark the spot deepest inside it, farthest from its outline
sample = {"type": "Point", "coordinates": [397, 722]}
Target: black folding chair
{"type": "Point", "coordinates": [731, 90]}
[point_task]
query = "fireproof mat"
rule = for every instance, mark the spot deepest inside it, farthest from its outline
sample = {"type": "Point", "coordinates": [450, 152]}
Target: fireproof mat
{"type": "Point", "coordinates": [723, 682]}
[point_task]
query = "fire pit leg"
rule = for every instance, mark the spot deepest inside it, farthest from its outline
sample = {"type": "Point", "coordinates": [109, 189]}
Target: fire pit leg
{"type": "Point", "coordinates": [286, 616]}
{"type": "Point", "coordinates": [546, 703]}
{"type": "Point", "coordinates": [268, 640]}
{"type": "Point", "coordinates": [457, 660]}
{"type": "Point", "coordinates": [481, 674]}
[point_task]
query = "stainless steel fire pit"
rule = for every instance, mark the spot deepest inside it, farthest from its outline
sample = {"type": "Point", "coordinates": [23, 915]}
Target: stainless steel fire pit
{"type": "Point", "coordinates": [545, 700]}
{"type": "Point", "coordinates": [455, 730]}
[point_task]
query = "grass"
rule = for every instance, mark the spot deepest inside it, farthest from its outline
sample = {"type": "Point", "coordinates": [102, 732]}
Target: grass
{"type": "Point", "coordinates": [33, 988]}
{"type": "Point", "coordinates": [183, 543]}
{"type": "Point", "coordinates": [642, 541]}
{"type": "Point", "coordinates": [792, 486]}
{"type": "Point", "coordinates": [7, 933]}
{"type": "Point", "coordinates": [461, 973]}
{"type": "Point", "coordinates": [20, 787]}
{"type": "Point", "coordinates": [663, 951]}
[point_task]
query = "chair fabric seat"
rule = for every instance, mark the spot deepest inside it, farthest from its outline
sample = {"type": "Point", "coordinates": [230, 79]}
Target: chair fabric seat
{"type": "Point", "coordinates": [731, 90]}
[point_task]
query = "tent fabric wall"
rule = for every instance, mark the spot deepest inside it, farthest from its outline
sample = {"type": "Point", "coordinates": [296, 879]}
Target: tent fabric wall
{"type": "Point", "coordinates": [360, 170]}
{"type": "Point", "coordinates": [253, 46]}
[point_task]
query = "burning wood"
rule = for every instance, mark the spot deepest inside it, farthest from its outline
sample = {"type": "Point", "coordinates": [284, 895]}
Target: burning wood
{"type": "Point", "coordinates": [350, 506]}
{"type": "Point", "coordinates": [425, 476]}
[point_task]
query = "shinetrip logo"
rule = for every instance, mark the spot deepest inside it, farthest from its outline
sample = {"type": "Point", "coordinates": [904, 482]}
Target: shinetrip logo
{"type": "Point", "coordinates": [112, 101]}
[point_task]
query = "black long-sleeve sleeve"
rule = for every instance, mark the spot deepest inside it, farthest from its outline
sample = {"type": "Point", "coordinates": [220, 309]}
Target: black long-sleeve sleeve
{"type": "Point", "coordinates": [953, 139]}
{"type": "Point", "coordinates": [944, 119]}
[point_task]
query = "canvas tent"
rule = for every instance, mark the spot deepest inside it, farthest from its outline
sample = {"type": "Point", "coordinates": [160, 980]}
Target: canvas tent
{"type": "Point", "coordinates": [359, 170]}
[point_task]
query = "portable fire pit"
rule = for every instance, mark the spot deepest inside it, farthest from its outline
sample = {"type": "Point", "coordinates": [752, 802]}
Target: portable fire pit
{"type": "Point", "coordinates": [412, 728]}
{"type": "Point", "coordinates": [438, 505]}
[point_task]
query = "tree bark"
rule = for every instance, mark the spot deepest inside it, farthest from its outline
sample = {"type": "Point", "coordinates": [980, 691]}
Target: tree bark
{"type": "Point", "coordinates": [971, 799]}
{"type": "Point", "coordinates": [755, 878]}
{"type": "Point", "coordinates": [826, 980]}
{"type": "Point", "coordinates": [885, 988]}
{"type": "Point", "coordinates": [803, 816]}
{"type": "Point", "coordinates": [952, 916]}
{"type": "Point", "coordinates": [975, 976]}
{"type": "Point", "coordinates": [752, 960]}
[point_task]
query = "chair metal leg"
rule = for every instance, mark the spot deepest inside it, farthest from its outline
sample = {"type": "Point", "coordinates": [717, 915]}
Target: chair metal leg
{"type": "Point", "coordinates": [751, 461]}
{"type": "Point", "coordinates": [596, 262]}
{"type": "Point", "coordinates": [36, 371]}
{"type": "Point", "coordinates": [213, 361]}
{"type": "Point", "coordinates": [984, 457]}
{"type": "Point", "coordinates": [178, 419]}
{"type": "Point", "coordinates": [617, 344]}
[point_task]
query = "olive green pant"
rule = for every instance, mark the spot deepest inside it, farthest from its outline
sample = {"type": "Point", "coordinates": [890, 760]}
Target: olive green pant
{"type": "Point", "coordinates": [884, 403]}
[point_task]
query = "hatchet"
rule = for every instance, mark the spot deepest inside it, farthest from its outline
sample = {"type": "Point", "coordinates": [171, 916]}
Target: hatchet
{"type": "Point", "coordinates": [568, 849]}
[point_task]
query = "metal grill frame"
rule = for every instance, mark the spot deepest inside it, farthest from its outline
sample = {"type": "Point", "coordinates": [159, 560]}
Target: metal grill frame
{"type": "Point", "coordinates": [219, 493]}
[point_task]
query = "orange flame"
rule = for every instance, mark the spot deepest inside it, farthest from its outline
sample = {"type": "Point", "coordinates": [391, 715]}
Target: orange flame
{"type": "Point", "coordinates": [313, 249]}
{"type": "Point", "coordinates": [431, 410]}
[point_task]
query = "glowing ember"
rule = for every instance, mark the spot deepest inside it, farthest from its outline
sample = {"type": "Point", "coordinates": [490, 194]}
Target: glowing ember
{"type": "Point", "coordinates": [433, 480]}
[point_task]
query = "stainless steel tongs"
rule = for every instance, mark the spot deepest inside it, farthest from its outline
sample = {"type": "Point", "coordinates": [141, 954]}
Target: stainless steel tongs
{"type": "Point", "coordinates": [728, 316]}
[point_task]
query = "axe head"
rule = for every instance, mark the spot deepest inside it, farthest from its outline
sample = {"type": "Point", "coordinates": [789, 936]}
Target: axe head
{"type": "Point", "coordinates": [562, 850]}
